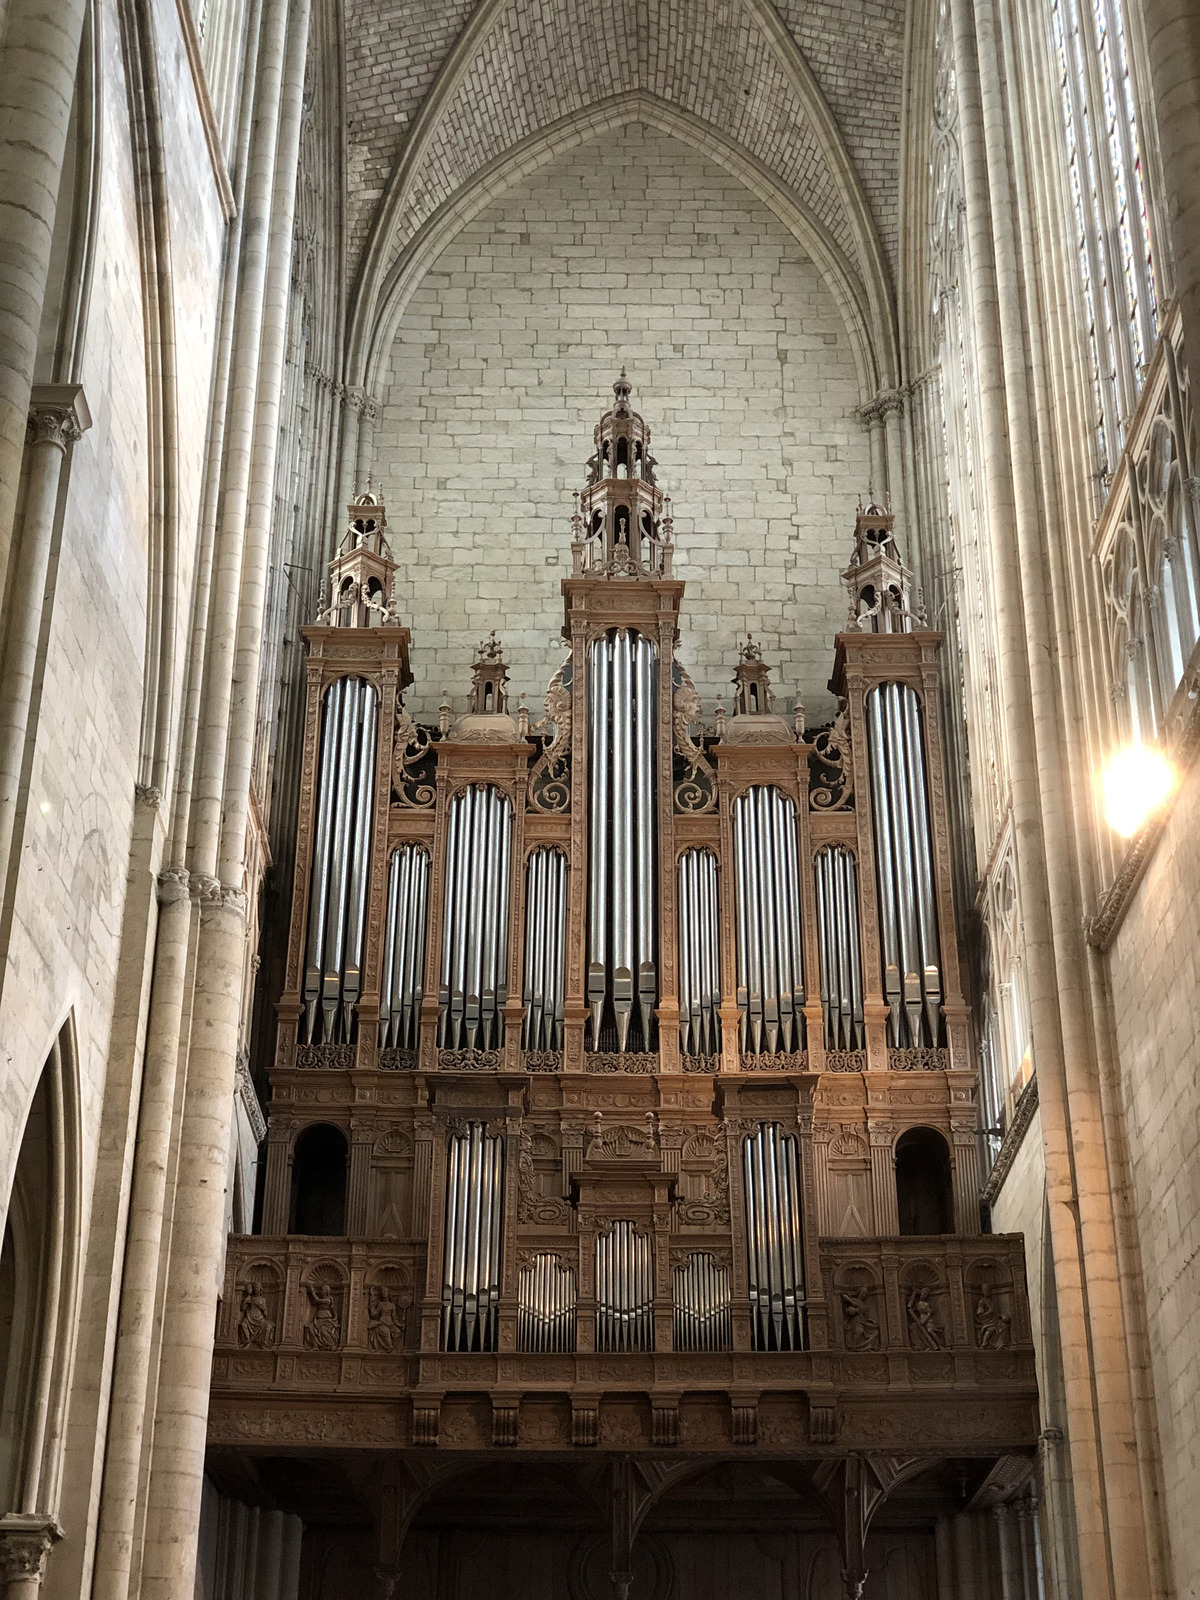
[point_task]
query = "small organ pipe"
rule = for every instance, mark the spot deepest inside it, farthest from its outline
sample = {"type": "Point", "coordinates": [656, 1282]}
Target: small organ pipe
{"type": "Point", "coordinates": [401, 986]}
{"type": "Point", "coordinates": [773, 1238]}
{"type": "Point", "coordinates": [546, 1306]}
{"type": "Point", "coordinates": [359, 861]}
{"type": "Point", "coordinates": [837, 933]}
{"type": "Point", "coordinates": [545, 914]}
{"type": "Point", "coordinates": [699, 975]}
{"type": "Point", "coordinates": [624, 1289]}
{"type": "Point", "coordinates": [622, 820]}
{"type": "Point", "coordinates": [910, 713]}
{"type": "Point", "coordinates": [474, 1221]}
{"type": "Point", "coordinates": [318, 901]}
{"type": "Point", "coordinates": [770, 960]}
{"type": "Point", "coordinates": [474, 983]}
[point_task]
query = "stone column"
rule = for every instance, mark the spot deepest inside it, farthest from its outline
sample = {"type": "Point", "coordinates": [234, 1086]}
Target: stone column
{"type": "Point", "coordinates": [1173, 48]}
{"type": "Point", "coordinates": [37, 86]}
{"type": "Point", "coordinates": [58, 416]}
{"type": "Point", "coordinates": [25, 1542]}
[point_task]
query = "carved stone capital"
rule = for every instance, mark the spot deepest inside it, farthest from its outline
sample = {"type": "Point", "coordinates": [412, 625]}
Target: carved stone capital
{"type": "Point", "coordinates": [173, 885]}
{"type": "Point", "coordinates": [58, 414]}
{"type": "Point", "coordinates": [25, 1542]}
{"type": "Point", "coordinates": [148, 794]}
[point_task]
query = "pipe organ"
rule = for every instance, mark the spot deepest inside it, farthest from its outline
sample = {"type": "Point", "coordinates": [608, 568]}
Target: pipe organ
{"type": "Point", "coordinates": [596, 995]}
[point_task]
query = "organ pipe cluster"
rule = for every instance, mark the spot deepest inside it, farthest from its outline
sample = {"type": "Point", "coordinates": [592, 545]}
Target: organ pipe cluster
{"type": "Point", "coordinates": [699, 962]}
{"type": "Point", "coordinates": [473, 1239]}
{"type": "Point", "coordinates": [622, 971]}
{"type": "Point", "coordinates": [545, 949]}
{"type": "Point", "coordinates": [703, 1320]}
{"type": "Point", "coordinates": [912, 984]}
{"type": "Point", "coordinates": [403, 977]}
{"type": "Point", "coordinates": [773, 1234]}
{"type": "Point", "coordinates": [624, 1289]}
{"type": "Point", "coordinates": [474, 983]}
{"type": "Point", "coordinates": [837, 933]}
{"type": "Point", "coordinates": [546, 1305]}
{"type": "Point", "coordinates": [770, 963]}
{"type": "Point", "coordinates": [337, 905]}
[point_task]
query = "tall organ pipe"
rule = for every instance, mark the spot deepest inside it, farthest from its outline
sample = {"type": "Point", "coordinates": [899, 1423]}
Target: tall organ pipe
{"type": "Point", "coordinates": [908, 928]}
{"type": "Point", "coordinates": [622, 986]}
{"type": "Point", "coordinates": [337, 904]}
{"type": "Point", "coordinates": [545, 949]}
{"type": "Point", "coordinates": [472, 1251]}
{"type": "Point", "coordinates": [770, 979]}
{"type": "Point", "coordinates": [403, 983]}
{"type": "Point", "coordinates": [546, 1306]}
{"type": "Point", "coordinates": [699, 971]}
{"type": "Point", "coordinates": [773, 1232]}
{"type": "Point", "coordinates": [474, 981]}
{"type": "Point", "coordinates": [624, 1289]}
{"type": "Point", "coordinates": [837, 935]}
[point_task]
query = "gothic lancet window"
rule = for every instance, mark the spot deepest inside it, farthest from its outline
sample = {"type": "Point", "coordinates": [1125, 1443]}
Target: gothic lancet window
{"type": "Point", "coordinates": [1111, 225]}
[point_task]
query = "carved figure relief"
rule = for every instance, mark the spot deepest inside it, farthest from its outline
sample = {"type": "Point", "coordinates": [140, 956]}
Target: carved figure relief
{"type": "Point", "coordinates": [925, 1332]}
{"type": "Point", "coordinates": [385, 1320]}
{"type": "Point", "coordinates": [993, 1325]}
{"type": "Point", "coordinates": [323, 1330]}
{"type": "Point", "coordinates": [860, 1331]}
{"type": "Point", "coordinates": [255, 1330]}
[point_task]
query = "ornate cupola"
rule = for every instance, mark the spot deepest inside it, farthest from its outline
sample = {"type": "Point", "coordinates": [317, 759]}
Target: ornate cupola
{"type": "Point", "coordinates": [880, 584]}
{"type": "Point", "coordinates": [362, 572]}
{"type": "Point", "coordinates": [487, 720]}
{"type": "Point", "coordinates": [754, 720]}
{"type": "Point", "coordinates": [622, 522]}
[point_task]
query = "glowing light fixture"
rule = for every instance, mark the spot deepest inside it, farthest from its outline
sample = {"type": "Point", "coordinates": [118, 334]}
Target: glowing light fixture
{"type": "Point", "coordinates": [1135, 783]}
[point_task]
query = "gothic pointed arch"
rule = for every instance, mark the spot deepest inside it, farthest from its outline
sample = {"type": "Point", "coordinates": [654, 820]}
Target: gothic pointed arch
{"type": "Point", "coordinates": [39, 1286]}
{"type": "Point", "coordinates": [735, 73]}
{"type": "Point", "coordinates": [593, 123]}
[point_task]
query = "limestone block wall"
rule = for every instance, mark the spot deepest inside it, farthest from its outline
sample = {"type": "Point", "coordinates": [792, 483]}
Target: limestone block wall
{"type": "Point", "coordinates": [1155, 975]}
{"type": "Point", "coordinates": [633, 250]}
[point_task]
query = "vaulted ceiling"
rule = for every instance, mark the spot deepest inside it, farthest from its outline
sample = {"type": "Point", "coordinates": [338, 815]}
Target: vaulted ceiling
{"type": "Point", "coordinates": [446, 98]}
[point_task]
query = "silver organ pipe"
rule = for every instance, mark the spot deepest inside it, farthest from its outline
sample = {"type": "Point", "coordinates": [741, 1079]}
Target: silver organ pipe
{"type": "Point", "coordinates": [776, 1276]}
{"type": "Point", "coordinates": [770, 978]}
{"type": "Point", "coordinates": [545, 949]}
{"type": "Point", "coordinates": [698, 962]}
{"type": "Point", "coordinates": [546, 1305]}
{"type": "Point", "coordinates": [474, 981]}
{"type": "Point", "coordinates": [402, 986]}
{"type": "Point", "coordinates": [337, 904]}
{"type": "Point", "coordinates": [622, 985]}
{"type": "Point", "coordinates": [912, 983]}
{"type": "Point", "coordinates": [472, 1254]}
{"type": "Point", "coordinates": [624, 1289]}
{"type": "Point", "coordinates": [703, 1320]}
{"type": "Point", "coordinates": [836, 877]}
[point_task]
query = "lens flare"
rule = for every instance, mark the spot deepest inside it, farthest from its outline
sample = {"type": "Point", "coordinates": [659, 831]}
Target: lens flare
{"type": "Point", "coordinates": [1135, 783]}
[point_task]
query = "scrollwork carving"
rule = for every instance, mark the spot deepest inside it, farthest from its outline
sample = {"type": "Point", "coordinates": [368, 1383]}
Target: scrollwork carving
{"type": "Point", "coordinates": [412, 786]}
{"type": "Point", "coordinates": [549, 787]}
{"type": "Point", "coordinates": [696, 791]}
{"type": "Point", "coordinates": [832, 782]}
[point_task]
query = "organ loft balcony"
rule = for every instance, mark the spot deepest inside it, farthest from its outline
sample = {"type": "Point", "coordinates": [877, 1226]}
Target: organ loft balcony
{"type": "Point", "coordinates": [622, 1102]}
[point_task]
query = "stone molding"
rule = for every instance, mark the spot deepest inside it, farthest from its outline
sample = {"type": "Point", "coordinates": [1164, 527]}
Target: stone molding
{"type": "Point", "coordinates": [1014, 1137]}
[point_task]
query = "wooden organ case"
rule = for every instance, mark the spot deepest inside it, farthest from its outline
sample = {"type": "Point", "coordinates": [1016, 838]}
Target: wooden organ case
{"type": "Point", "coordinates": [602, 1041]}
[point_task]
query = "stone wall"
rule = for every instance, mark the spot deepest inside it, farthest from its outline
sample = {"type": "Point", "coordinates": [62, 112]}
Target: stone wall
{"type": "Point", "coordinates": [637, 251]}
{"type": "Point", "coordinates": [1155, 976]}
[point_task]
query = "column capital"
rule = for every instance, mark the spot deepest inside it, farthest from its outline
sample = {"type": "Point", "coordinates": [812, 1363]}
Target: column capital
{"type": "Point", "coordinates": [25, 1542]}
{"type": "Point", "coordinates": [58, 413]}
